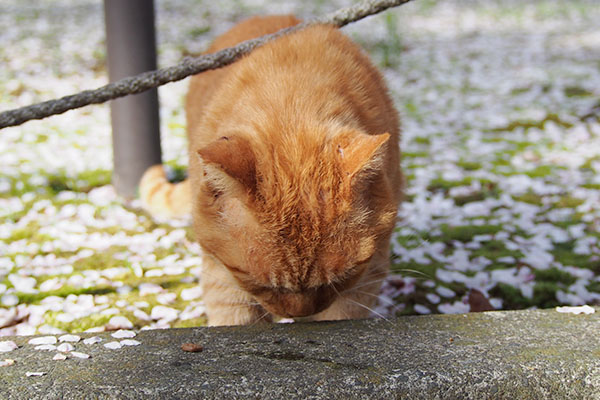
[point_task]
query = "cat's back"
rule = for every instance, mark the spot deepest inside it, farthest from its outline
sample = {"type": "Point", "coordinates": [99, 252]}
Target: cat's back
{"type": "Point", "coordinates": [204, 85]}
{"type": "Point", "coordinates": [314, 75]}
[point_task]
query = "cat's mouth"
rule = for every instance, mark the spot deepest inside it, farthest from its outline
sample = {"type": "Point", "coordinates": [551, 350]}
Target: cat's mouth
{"type": "Point", "coordinates": [294, 305]}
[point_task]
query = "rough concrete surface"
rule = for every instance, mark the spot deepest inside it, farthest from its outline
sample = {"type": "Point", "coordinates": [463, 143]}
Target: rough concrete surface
{"type": "Point", "coordinates": [495, 355]}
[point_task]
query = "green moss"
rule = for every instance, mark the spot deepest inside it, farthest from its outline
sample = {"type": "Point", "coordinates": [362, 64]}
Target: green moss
{"type": "Point", "coordinates": [422, 140]}
{"type": "Point", "coordinates": [414, 154]}
{"type": "Point", "coordinates": [166, 282]}
{"type": "Point", "coordinates": [391, 48]}
{"type": "Point", "coordinates": [190, 323]}
{"type": "Point", "coordinates": [29, 233]}
{"type": "Point", "coordinates": [465, 233]}
{"type": "Point", "coordinates": [594, 287]}
{"type": "Point", "coordinates": [469, 165]}
{"type": "Point", "coordinates": [540, 171]}
{"type": "Point", "coordinates": [526, 124]}
{"type": "Point", "coordinates": [544, 294]}
{"type": "Point", "coordinates": [530, 198]}
{"type": "Point", "coordinates": [78, 325]}
{"type": "Point", "coordinates": [103, 260]}
{"type": "Point", "coordinates": [494, 249]}
{"type": "Point", "coordinates": [568, 202]}
{"type": "Point", "coordinates": [83, 182]}
{"type": "Point", "coordinates": [554, 275]}
{"type": "Point", "coordinates": [64, 291]}
{"type": "Point", "coordinates": [576, 91]}
{"type": "Point", "coordinates": [444, 185]}
{"type": "Point", "coordinates": [564, 254]}
{"type": "Point", "coordinates": [199, 31]}
{"type": "Point", "coordinates": [588, 164]}
{"type": "Point", "coordinates": [511, 296]}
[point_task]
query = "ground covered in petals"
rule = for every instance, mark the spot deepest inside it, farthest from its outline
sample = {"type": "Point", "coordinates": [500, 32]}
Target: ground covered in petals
{"type": "Point", "coordinates": [500, 105]}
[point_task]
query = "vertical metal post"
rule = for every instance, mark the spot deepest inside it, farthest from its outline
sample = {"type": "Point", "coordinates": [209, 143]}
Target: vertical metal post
{"type": "Point", "coordinates": [131, 43]}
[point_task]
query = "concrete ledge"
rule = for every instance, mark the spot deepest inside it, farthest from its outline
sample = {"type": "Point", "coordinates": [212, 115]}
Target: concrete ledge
{"type": "Point", "coordinates": [499, 355]}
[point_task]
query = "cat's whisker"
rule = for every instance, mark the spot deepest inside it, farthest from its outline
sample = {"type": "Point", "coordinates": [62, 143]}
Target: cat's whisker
{"type": "Point", "coordinates": [224, 283]}
{"type": "Point", "coordinates": [368, 308]}
{"type": "Point", "coordinates": [414, 271]}
{"type": "Point", "coordinates": [390, 302]}
{"type": "Point", "coordinates": [364, 284]}
{"type": "Point", "coordinates": [339, 295]}
{"type": "Point", "coordinates": [260, 318]}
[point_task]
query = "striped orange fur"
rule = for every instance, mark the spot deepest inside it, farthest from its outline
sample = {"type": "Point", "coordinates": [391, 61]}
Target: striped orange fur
{"type": "Point", "coordinates": [294, 178]}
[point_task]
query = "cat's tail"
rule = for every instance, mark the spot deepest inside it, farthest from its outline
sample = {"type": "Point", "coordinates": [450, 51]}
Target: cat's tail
{"type": "Point", "coordinates": [162, 198]}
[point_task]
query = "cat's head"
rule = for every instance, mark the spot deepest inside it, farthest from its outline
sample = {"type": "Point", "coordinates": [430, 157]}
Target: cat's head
{"type": "Point", "coordinates": [295, 220]}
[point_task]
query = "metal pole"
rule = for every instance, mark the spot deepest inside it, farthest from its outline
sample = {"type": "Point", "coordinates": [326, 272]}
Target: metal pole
{"type": "Point", "coordinates": [131, 43]}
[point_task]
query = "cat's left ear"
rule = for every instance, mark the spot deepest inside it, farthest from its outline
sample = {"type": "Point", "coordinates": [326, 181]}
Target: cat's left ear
{"type": "Point", "coordinates": [234, 156]}
{"type": "Point", "coordinates": [361, 152]}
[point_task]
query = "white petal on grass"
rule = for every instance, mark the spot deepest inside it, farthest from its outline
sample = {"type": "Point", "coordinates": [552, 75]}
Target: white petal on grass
{"type": "Point", "coordinates": [35, 373]}
{"type": "Point", "coordinates": [191, 293]}
{"type": "Point", "coordinates": [59, 357]}
{"type": "Point", "coordinates": [22, 283]}
{"type": "Point", "coordinates": [8, 345]}
{"type": "Point", "coordinates": [69, 338]}
{"type": "Point", "coordinates": [421, 309]}
{"type": "Point", "coordinates": [120, 322]}
{"type": "Point", "coordinates": [150, 288]}
{"type": "Point", "coordinates": [130, 342]}
{"type": "Point", "coordinates": [43, 340]}
{"type": "Point", "coordinates": [113, 345]}
{"type": "Point", "coordinates": [166, 298]}
{"type": "Point", "coordinates": [9, 300]}
{"type": "Point", "coordinates": [458, 307]}
{"type": "Point", "coordinates": [445, 292]}
{"type": "Point", "coordinates": [92, 340]}
{"type": "Point", "coordinates": [432, 298]}
{"type": "Point", "coordinates": [139, 314]}
{"type": "Point", "coordinates": [79, 355]}
{"type": "Point", "coordinates": [576, 310]}
{"type": "Point", "coordinates": [164, 313]}
{"type": "Point", "coordinates": [121, 333]}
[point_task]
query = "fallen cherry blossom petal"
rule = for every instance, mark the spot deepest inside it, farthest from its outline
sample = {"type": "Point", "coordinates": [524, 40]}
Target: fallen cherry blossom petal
{"type": "Point", "coordinates": [46, 347]}
{"type": "Point", "coordinates": [65, 347]}
{"type": "Point", "coordinates": [43, 340]}
{"type": "Point", "coordinates": [113, 345]}
{"type": "Point", "coordinates": [92, 340]}
{"type": "Point", "coordinates": [79, 355]}
{"type": "Point", "coordinates": [7, 346]}
{"type": "Point", "coordinates": [121, 333]}
{"type": "Point", "coordinates": [69, 338]}
{"type": "Point", "coordinates": [7, 363]}
{"type": "Point", "coordinates": [576, 310]}
{"type": "Point", "coordinates": [130, 342]}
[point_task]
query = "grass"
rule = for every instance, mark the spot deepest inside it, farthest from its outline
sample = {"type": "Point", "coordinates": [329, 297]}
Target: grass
{"type": "Point", "coordinates": [468, 129]}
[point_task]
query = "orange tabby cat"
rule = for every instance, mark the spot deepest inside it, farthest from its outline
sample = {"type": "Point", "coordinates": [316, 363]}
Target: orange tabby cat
{"type": "Point", "coordinates": [294, 178]}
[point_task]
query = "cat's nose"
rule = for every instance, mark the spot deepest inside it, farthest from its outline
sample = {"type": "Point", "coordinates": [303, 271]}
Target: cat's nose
{"type": "Point", "coordinates": [300, 307]}
{"type": "Point", "coordinates": [292, 305]}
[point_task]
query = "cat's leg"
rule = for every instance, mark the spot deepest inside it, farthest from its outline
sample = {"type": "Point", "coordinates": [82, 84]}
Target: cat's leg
{"type": "Point", "coordinates": [358, 301]}
{"type": "Point", "coordinates": [226, 303]}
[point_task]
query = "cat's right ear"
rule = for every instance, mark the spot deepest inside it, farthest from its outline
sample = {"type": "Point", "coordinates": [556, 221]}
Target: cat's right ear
{"type": "Point", "coordinates": [232, 155]}
{"type": "Point", "coordinates": [360, 152]}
